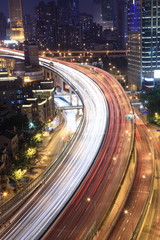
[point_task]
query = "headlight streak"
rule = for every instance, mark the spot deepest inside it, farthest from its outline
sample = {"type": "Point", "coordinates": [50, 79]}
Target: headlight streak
{"type": "Point", "coordinates": [70, 172]}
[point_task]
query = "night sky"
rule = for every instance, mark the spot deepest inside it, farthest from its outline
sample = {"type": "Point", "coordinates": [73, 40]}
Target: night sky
{"type": "Point", "coordinates": [28, 5]}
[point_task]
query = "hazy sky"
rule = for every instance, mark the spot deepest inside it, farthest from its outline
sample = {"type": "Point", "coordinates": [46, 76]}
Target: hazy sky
{"type": "Point", "coordinates": [85, 5]}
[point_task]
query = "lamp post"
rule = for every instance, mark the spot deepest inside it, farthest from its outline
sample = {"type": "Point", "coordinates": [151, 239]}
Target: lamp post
{"type": "Point", "coordinates": [93, 229]}
{"type": "Point", "coordinates": [128, 213]}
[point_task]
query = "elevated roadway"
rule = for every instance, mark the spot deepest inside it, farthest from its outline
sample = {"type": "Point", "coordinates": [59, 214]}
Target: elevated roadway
{"type": "Point", "coordinates": [87, 209]}
{"type": "Point", "coordinates": [49, 199]}
{"type": "Point", "coordinates": [141, 190]}
{"type": "Point", "coordinates": [85, 214]}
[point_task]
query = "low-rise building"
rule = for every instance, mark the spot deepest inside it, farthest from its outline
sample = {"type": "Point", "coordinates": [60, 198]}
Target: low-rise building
{"type": "Point", "coordinates": [38, 109]}
{"type": "Point", "coordinates": [9, 140]}
{"type": "Point", "coordinates": [4, 159]}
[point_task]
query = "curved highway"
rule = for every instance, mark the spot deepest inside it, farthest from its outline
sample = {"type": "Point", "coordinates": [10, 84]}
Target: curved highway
{"type": "Point", "coordinates": [84, 215]}
{"type": "Point", "coordinates": [44, 206]}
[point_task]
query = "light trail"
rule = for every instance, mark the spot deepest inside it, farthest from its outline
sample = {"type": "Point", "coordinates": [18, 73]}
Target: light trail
{"type": "Point", "coordinates": [39, 212]}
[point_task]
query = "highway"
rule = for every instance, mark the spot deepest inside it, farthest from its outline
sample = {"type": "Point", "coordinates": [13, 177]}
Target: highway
{"type": "Point", "coordinates": [86, 210]}
{"type": "Point", "coordinates": [151, 225]}
{"type": "Point", "coordinates": [84, 214]}
{"type": "Point", "coordinates": [140, 190]}
{"type": "Point", "coordinates": [43, 207]}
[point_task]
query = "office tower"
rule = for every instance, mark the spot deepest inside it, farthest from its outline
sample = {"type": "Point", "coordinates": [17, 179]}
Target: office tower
{"type": "Point", "coordinates": [16, 20]}
{"type": "Point", "coordinates": [46, 25]}
{"type": "Point", "coordinates": [97, 14]}
{"type": "Point", "coordinates": [29, 27]}
{"type": "Point", "coordinates": [122, 23]}
{"type": "Point", "coordinates": [3, 26]}
{"type": "Point", "coordinates": [69, 35]}
{"type": "Point", "coordinates": [110, 13]}
{"type": "Point", "coordinates": [107, 10]}
{"type": "Point", "coordinates": [134, 44]}
{"type": "Point", "coordinates": [68, 12]}
{"type": "Point", "coordinates": [143, 43]}
{"type": "Point", "coordinates": [86, 23]}
{"type": "Point", "coordinates": [97, 11]}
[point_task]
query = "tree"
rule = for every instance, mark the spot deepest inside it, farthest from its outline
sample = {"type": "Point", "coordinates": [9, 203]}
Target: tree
{"type": "Point", "coordinates": [18, 174]}
{"type": "Point", "coordinates": [17, 120]}
{"type": "Point", "coordinates": [151, 98]}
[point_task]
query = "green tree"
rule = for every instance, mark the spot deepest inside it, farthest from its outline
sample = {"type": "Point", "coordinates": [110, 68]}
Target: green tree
{"type": "Point", "coordinates": [18, 174]}
{"type": "Point", "coordinates": [151, 98]}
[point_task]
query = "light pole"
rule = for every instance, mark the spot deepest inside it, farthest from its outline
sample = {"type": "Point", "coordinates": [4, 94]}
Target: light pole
{"type": "Point", "coordinates": [128, 213]}
{"type": "Point", "coordinates": [93, 229]}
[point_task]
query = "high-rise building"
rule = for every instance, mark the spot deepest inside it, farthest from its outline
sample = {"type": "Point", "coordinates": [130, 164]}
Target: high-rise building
{"type": "Point", "coordinates": [46, 25]}
{"type": "Point", "coordinates": [143, 43]}
{"type": "Point", "coordinates": [29, 27]}
{"type": "Point", "coordinates": [3, 26]}
{"type": "Point", "coordinates": [68, 12]}
{"type": "Point", "coordinates": [110, 13]}
{"type": "Point", "coordinates": [122, 23]}
{"type": "Point", "coordinates": [97, 14]}
{"type": "Point", "coordinates": [69, 34]}
{"type": "Point", "coordinates": [107, 10]}
{"type": "Point", "coordinates": [97, 11]}
{"type": "Point", "coordinates": [16, 20]}
{"type": "Point", "coordinates": [86, 23]}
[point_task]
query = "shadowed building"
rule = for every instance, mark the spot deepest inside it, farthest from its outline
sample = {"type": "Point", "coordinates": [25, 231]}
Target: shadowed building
{"type": "Point", "coordinates": [3, 26]}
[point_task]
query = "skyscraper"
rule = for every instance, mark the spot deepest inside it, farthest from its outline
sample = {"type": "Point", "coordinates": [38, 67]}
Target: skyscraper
{"type": "Point", "coordinates": [97, 14]}
{"type": "Point", "coordinates": [107, 10]}
{"type": "Point", "coordinates": [16, 20]}
{"type": "Point", "coordinates": [110, 13]}
{"type": "Point", "coordinates": [143, 43]}
{"type": "Point", "coordinates": [122, 23]}
{"type": "Point", "coordinates": [68, 12]}
{"type": "Point", "coordinates": [68, 24]}
{"type": "Point", "coordinates": [3, 25]}
{"type": "Point", "coordinates": [46, 25]}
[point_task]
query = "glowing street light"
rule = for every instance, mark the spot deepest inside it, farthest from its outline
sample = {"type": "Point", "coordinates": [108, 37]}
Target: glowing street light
{"type": "Point", "coordinates": [4, 194]}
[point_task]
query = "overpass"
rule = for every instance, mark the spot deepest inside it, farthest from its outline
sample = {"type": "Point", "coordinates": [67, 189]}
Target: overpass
{"type": "Point", "coordinates": [69, 108]}
{"type": "Point", "coordinates": [94, 153]}
{"type": "Point", "coordinates": [84, 53]}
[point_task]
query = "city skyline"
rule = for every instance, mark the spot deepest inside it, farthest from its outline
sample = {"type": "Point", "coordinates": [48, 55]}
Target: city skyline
{"type": "Point", "coordinates": [79, 119]}
{"type": "Point", "coordinates": [29, 6]}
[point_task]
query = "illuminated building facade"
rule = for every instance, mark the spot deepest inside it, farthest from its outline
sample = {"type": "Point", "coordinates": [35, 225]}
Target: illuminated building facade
{"type": "Point", "coordinates": [143, 43]}
{"type": "Point", "coordinates": [46, 25]}
{"type": "Point", "coordinates": [16, 20]}
{"type": "Point", "coordinates": [134, 44]}
{"type": "Point", "coordinates": [69, 32]}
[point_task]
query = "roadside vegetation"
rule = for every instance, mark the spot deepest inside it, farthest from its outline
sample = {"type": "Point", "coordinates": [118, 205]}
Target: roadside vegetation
{"type": "Point", "coordinates": [151, 99]}
{"type": "Point", "coordinates": [30, 136]}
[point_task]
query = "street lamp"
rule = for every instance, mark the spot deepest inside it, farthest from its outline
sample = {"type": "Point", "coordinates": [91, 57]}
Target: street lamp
{"type": "Point", "coordinates": [89, 200]}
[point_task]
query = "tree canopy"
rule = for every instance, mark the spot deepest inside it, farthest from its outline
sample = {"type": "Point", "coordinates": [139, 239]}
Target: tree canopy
{"type": "Point", "coordinates": [151, 99]}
